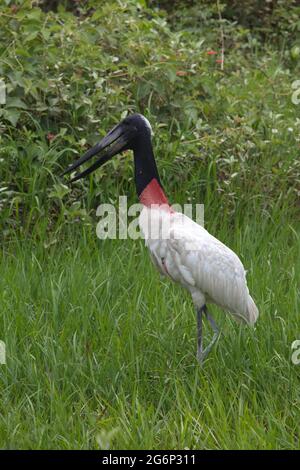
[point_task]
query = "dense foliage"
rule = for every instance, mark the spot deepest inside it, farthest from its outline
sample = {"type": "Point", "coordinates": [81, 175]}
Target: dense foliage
{"type": "Point", "coordinates": [270, 20]}
{"type": "Point", "coordinates": [230, 134]}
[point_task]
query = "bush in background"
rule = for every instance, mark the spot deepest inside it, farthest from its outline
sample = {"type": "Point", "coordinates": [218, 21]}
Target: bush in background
{"type": "Point", "coordinates": [228, 138]}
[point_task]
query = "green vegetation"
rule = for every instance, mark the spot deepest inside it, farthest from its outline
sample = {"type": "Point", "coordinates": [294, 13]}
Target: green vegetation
{"type": "Point", "coordinates": [96, 356]}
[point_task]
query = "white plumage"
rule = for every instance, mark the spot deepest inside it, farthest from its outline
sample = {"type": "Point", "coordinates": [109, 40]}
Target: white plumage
{"type": "Point", "coordinates": [184, 251]}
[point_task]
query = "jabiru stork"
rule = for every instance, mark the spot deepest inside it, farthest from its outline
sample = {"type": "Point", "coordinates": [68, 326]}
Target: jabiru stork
{"type": "Point", "coordinates": [180, 248]}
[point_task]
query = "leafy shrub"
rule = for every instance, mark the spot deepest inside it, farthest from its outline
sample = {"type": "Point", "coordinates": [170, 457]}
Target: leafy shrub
{"type": "Point", "coordinates": [272, 20]}
{"type": "Point", "coordinates": [229, 135]}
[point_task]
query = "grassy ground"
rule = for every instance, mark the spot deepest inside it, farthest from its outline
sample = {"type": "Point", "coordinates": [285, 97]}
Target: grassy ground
{"type": "Point", "coordinates": [101, 351]}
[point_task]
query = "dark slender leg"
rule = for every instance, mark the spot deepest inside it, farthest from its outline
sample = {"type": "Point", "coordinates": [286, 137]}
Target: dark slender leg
{"type": "Point", "coordinates": [202, 353]}
{"type": "Point", "coordinates": [199, 330]}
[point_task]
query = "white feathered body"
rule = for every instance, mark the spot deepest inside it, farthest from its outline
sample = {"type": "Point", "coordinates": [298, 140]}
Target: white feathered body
{"type": "Point", "coordinates": [184, 251]}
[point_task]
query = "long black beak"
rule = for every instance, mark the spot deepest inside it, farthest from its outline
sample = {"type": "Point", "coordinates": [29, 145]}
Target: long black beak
{"type": "Point", "coordinates": [114, 142]}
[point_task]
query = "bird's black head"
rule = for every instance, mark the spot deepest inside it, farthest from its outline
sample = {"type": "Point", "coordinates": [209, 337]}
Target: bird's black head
{"type": "Point", "coordinates": [124, 136]}
{"type": "Point", "coordinates": [138, 122]}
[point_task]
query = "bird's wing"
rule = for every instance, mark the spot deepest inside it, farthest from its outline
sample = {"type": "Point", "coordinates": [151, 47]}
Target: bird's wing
{"type": "Point", "coordinates": [189, 255]}
{"type": "Point", "coordinates": [200, 261]}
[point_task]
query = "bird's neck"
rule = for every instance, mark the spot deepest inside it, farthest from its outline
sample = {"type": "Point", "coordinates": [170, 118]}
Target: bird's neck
{"type": "Point", "coordinates": [147, 181]}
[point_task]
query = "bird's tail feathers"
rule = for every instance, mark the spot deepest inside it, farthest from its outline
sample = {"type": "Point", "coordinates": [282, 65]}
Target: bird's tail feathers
{"type": "Point", "coordinates": [252, 312]}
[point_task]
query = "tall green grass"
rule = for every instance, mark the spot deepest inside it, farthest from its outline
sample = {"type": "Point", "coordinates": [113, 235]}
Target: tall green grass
{"type": "Point", "coordinates": [101, 350]}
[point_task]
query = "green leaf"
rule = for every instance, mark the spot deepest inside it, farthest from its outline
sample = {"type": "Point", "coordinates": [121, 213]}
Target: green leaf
{"type": "Point", "coordinates": [13, 102]}
{"type": "Point", "coordinates": [59, 191]}
{"type": "Point", "coordinates": [12, 115]}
